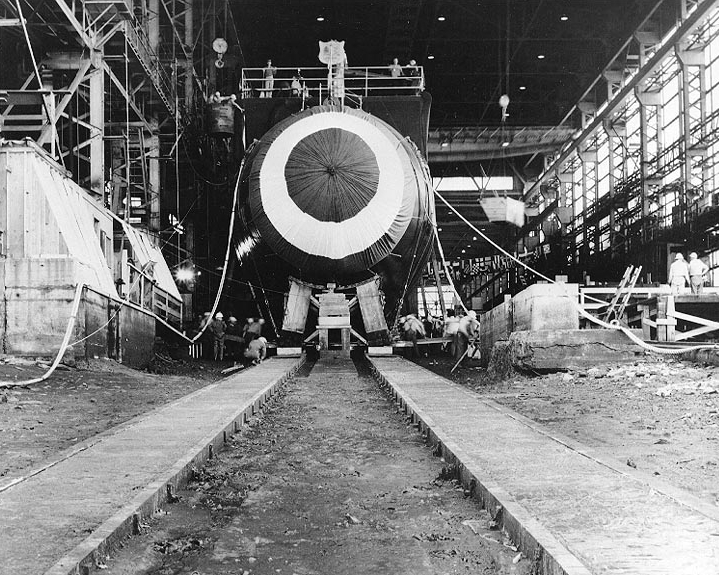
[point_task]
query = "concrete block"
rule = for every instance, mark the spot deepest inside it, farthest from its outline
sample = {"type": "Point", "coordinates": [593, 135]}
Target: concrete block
{"type": "Point", "coordinates": [289, 351]}
{"type": "Point", "coordinates": [495, 325]}
{"type": "Point", "coordinates": [545, 307]}
{"type": "Point", "coordinates": [552, 350]}
{"type": "Point", "coordinates": [377, 351]}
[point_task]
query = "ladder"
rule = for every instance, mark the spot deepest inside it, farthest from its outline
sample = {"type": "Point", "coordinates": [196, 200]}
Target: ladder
{"type": "Point", "coordinates": [623, 294]}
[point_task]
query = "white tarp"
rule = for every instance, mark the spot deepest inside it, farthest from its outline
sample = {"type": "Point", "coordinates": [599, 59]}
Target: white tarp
{"type": "Point", "coordinates": [76, 223]}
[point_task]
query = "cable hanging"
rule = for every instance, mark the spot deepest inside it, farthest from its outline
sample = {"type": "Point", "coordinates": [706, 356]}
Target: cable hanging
{"type": "Point", "coordinates": [614, 325]}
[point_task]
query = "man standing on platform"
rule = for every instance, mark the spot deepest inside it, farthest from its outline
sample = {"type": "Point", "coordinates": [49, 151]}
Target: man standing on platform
{"type": "Point", "coordinates": [678, 274]}
{"type": "Point", "coordinates": [268, 74]}
{"type": "Point", "coordinates": [697, 270]}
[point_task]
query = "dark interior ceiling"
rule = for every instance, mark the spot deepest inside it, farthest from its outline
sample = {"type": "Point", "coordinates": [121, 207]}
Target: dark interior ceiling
{"type": "Point", "coordinates": [545, 54]}
{"type": "Point", "coordinates": [480, 48]}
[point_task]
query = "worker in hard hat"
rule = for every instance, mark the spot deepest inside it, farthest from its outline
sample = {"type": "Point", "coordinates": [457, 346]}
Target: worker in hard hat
{"type": "Point", "coordinates": [697, 270]}
{"type": "Point", "coordinates": [256, 350]}
{"type": "Point", "coordinates": [678, 274]}
{"type": "Point", "coordinates": [218, 328]}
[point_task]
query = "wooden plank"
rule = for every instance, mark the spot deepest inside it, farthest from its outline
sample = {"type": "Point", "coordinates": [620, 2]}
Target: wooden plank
{"type": "Point", "coordinates": [18, 178]}
{"type": "Point", "coordinates": [4, 191]}
{"type": "Point", "coordinates": [371, 307]}
{"type": "Point", "coordinates": [297, 307]}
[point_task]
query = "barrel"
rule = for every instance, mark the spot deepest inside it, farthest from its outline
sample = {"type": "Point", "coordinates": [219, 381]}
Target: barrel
{"type": "Point", "coordinates": [221, 120]}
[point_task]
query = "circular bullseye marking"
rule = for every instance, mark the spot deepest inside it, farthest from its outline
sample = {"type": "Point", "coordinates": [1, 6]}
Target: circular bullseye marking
{"type": "Point", "coordinates": [331, 175]}
{"type": "Point", "coordinates": [330, 239]}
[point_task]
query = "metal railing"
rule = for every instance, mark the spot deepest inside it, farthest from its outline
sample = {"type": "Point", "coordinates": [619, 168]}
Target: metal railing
{"type": "Point", "coordinates": [149, 295]}
{"type": "Point", "coordinates": [313, 82]}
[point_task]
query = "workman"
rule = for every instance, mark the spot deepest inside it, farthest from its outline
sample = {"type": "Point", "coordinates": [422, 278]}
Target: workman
{"type": "Point", "coordinates": [451, 325]}
{"type": "Point", "coordinates": [467, 330]}
{"type": "Point", "coordinates": [256, 350]}
{"type": "Point", "coordinates": [217, 328]}
{"type": "Point", "coordinates": [234, 343]}
{"type": "Point", "coordinates": [697, 270]}
{"type": "Point", "coordinates": [412, 330]}
{"type": "Point", "coordinates": [678, 274]}
{"type": "Point", "coordinates": [254, 328]}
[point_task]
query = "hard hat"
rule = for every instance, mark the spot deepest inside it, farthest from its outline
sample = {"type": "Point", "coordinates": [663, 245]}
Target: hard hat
{"type": "Point", "coordinates": [219, 315]}
{"type": "Point", "coordinates": [679, 257]}
{"type": "Point", "coordinates": [471, 313]}
{"type": "Point", "coordinates": [232, 319]}
{"type": "Point", "coordinates": [693, 255]}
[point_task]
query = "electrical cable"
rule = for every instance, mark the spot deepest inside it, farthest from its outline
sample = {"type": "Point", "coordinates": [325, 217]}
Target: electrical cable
{"type": "Point", "coordinates": [63, 345]}
{"type": "Point", "coordinates": [227, 252]}
{"type": "Point", "coordinates": [615, 325]}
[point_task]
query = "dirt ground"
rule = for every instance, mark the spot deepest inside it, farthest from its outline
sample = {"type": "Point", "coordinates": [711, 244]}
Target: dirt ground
{"type": "Point", "coordinates": [331, 480]}
{"type": "Point", "coordinates": [658, 415]}
{"type": "Point", "coordinates": [74, 404]}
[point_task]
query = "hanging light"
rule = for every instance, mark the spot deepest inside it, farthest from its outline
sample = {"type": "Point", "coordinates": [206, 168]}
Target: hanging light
{"type": "Point", "coordinates": [564, 17]}
{"type": "Point", "coordinates": [320, 18]}
{"type": "Point", "coordinates": [503, 103]}
{"type": "Point", "coordinates": [441, 18]}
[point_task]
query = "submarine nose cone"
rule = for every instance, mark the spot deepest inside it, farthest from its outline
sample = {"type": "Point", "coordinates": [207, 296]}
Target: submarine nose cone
{"type": "Point", "coordinates": [334, 191]}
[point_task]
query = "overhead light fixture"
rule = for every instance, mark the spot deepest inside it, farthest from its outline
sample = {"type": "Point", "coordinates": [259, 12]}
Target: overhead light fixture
{"type": "Point", "coordinates": [439, 229]}
{"type": "Point", "coordinates": [320, 18]}
{"type": "Point", "coordinates": [474, 238]}
{"type": "Point", "coordinates": [522, 88]}
{"type": "Point", "coordinates": [441, 18]}
{"type": "Point", "coordinates": [540, 56]}
{"type": "Point", "coordinates": [464, 251]}
{"type": "Point", "coordinates": [505, 144]}
{"type": "Point", "coordinates": [430, 57]}
{"type": "Point", "coordinates": [564, 17]}
{"type": "Point", "coordinates": [444, 143]}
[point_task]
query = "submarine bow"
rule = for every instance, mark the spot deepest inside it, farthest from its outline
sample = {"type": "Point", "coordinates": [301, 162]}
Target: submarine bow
{"type": "Point", "coordinates": [338, 193]}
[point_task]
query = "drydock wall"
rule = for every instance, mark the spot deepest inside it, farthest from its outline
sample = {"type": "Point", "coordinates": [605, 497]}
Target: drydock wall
{"type": "Point", "coordinates": [538, 330]}
{"type": "Point", "coordinates": [539, 307]}
{"type": "Point", "coordinates": [36, 308]}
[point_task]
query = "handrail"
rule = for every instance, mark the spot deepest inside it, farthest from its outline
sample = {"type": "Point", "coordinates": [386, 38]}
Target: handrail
{"type": "Point", "coordinates": [362, 81]}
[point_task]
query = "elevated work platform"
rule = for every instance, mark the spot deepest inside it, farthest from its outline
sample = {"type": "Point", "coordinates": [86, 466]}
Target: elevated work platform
{"type": "Point", "coordinates": [569, 511]}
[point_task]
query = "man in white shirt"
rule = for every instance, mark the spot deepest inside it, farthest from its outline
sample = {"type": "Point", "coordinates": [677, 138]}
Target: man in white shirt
{"type": "Point", "coordinates": [697, 270]}
{"type": "Point", "coordinates": [678, 274]}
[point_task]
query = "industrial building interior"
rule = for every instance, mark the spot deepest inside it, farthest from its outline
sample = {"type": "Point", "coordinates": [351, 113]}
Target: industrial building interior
{"type": "Point", "coordinates": [607, 135]}
{"type": "Point", "coordinates": [351, 179]}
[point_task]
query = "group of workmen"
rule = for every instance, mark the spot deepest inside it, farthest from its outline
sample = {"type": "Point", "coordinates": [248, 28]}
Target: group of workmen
{"type": "Point", "coordinates": [682, 273]}
{"type": "Point", "coordinates": [232, 341]}
{"type": "Point", "coordinates": [461, 329]}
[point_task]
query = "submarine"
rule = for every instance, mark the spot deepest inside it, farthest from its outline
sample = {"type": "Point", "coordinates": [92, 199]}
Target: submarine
{"type": "Point", "coordinates": [336, 210]}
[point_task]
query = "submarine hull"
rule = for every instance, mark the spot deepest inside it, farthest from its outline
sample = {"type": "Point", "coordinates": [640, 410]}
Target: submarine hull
{"type": "Point", "coordinates": [338, 196]}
